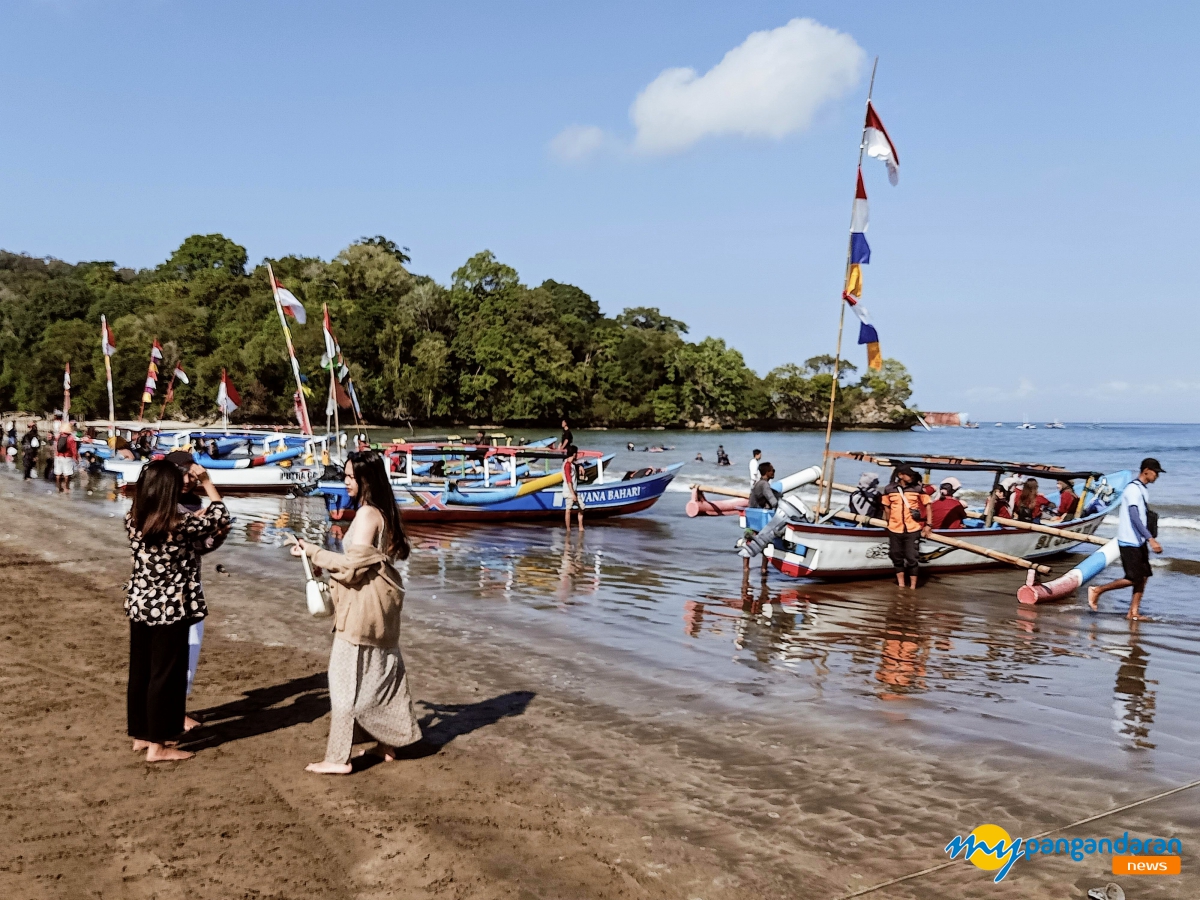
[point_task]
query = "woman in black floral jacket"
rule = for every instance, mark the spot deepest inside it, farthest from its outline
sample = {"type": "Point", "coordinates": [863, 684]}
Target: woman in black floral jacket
{"type": "Point", "coordinates": [164, 598]}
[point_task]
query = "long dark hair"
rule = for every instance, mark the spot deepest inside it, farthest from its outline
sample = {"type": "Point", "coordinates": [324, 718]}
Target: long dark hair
{"type": "Point", "coordinates": [1028, 494]}
{"type": "Point", "coordinates": [374, 489]}
{"type": "Point", "coordinates": [156, 505]}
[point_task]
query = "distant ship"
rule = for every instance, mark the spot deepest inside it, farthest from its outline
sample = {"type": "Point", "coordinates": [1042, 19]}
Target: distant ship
{"type": "Point", "coordinates": [1056, 424]}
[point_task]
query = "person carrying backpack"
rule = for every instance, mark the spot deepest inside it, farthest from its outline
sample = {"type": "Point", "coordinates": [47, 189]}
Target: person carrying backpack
{"type": "Point", "coordinates": [865, 500]}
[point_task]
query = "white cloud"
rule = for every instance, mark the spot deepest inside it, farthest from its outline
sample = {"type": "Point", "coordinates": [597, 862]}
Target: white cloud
{"type": "Point", "coordinates": [578, 142]}
{"type": "Point", "coordinates": [771, 85]}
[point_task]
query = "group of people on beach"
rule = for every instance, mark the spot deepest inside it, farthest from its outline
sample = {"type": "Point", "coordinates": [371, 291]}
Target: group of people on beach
{"type": "Point", "coordinates": [170, 529]}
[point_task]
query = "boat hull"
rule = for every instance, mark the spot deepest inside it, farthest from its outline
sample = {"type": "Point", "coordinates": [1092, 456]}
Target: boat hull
{"type": "Point", "coordinates": [600, 500]}
{"type": "Point", "coordinates": [259, 479]}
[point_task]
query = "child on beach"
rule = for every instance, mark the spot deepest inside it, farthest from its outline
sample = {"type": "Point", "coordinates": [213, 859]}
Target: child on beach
{"type": "Point", "coordinates": [164, 598]}
{"type": "Point", "coordinates": [367, 681]}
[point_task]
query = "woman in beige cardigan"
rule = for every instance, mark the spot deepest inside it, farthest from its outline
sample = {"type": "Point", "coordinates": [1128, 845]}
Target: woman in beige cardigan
{"type": "Point", "coordinates": [367, 682]}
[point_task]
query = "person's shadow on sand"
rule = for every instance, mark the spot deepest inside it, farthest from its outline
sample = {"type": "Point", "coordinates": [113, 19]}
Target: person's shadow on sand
{"type": "Point", "coordinates": [302, 700]}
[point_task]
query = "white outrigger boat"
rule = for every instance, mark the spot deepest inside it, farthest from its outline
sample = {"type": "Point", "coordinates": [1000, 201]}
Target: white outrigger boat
{"type": "Point", "coordinates": [836, 545]}
{"type": "Point", "coordinates": [241, 461]}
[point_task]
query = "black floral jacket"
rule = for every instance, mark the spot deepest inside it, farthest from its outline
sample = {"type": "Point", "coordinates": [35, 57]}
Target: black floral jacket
{"type": "Point", "coordinates": [165, 585]}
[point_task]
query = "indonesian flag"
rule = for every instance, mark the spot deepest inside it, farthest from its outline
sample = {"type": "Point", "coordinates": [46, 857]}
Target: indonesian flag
{"type": "Point", "coordinates": [290, 304]}
{"type": "Point", "coordinates": [331, 347]}
{"type": "Point", "coordinates": [155, 351]}
{"type": "Point", "coordinates": [107, 342]}
{"type": "Point", "coordinates": [879, 145]}
{"type": "Point", "coordinates": [227, 396]}
{"type": "Point", "coordinates": [67, 378]}
{"type": "Point", "coordinates": [180, 375]}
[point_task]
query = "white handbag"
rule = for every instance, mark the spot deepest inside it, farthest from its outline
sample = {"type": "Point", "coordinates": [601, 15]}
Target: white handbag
{"type": "Point", "coordinates": [316, 592]}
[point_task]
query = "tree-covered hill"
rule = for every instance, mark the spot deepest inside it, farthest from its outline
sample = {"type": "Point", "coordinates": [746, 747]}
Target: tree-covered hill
{"type": "Point", "coordinates": [484, 348]}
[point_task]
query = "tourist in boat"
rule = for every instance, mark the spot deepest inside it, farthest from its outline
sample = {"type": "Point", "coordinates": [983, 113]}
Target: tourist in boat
{"type": "Point", "coordinates": [755, 466]}
{"type": "Point", "coordinates": [368, 685]}
{"type": "Point", "coordinates": [31, 442]}
{"type": "Point", "coordinates": [865, 499]}
{"type": "Point", "coordinates": [1136, 529]}
{"type": "Point", "coordinates": [1067, 500]}
{"type": "Point", "coordinates": [570, 494]}
{"type": "Point", "coordinates": [906, 511]}
{"type": "Point", "coordinates": [567, 438]}
{"type": "Point", "coordinates": [947, 511]}
{"type": "Point", "coordinates": [1000, 502]}
{"type": "Point", "coordinates": [164, 598]}
{"type": "Point", "coordinates": [66, 457]}
{"type": "Point", "coordinates": [1030, 504]}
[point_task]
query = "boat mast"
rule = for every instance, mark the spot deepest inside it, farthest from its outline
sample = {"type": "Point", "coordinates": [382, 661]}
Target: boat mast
{"type": "Point", "coordinates": [305, 427]}
{"type": "Point", "coordinates": [826, 488]}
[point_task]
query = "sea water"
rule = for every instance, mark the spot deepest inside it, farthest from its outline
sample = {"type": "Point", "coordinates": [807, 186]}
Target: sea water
{"type": "Point", "coordinates": [660, 601]}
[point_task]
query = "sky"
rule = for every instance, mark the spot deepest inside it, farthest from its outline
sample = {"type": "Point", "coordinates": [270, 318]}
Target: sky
{"type": "Point", "coordinates": [698, 157]}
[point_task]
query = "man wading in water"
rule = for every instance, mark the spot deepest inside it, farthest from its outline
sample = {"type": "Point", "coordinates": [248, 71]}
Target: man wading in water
{"type": "Point", "coordinates": [1136, 527]}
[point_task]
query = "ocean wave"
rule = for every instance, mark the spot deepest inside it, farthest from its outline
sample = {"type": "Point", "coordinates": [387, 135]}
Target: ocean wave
{"type": "Point", "coordinates": [1166, 522]}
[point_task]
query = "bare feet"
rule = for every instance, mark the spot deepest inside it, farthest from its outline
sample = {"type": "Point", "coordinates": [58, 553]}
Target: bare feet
{"type": "Point", "coordinates": [1093, 597]}
{"type": "Point", "coordinates": [328, 768]}
{"type": "Point", "coordinates": [162, 753]}
{"type": "Point", "coordinates": [189, 723]}
{"type": "Point", "coordinates": [386, 752]}
{"type": "Point", "coordinates": [139, 746]}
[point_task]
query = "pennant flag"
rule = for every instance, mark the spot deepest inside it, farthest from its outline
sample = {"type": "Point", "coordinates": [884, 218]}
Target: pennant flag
{"type": "Point", "coordinates": [67, 378]}
{"type": "Point", "coordinates": [107, 342]}
{"type": "Point", "coordinates": [151, 384]}
{"type": "Point", "coordinates": [180, 374]}
{"type": "Point", "coordinates": [155, 351]}
{"type": "Point", "coordinates": [859, 217]}
{"type": "Point", "coordinates": [879, 145]}
{"type": "Point", "coordinates": [290, 304]}
{"type": "Point", "coordinates": [853, 290]}
{"type": "Point", "coordinates": [153, 370]}
{"type": "Point", "coordinates": [331, 347]}
{"type": "Point", "coordinates": [353, 398]}
{"type": "Point", "coordinates": [860, 251]}
{"type": "Point", "coordinates": [343, 399]}
{"type": "Point", "coordinates": [301, 410]}
{"type": "Point", "coordinates": [227, 396]}
{"type": "Point", "coordinates": [869, 336]}
{"type": "Point", "coordinates": [66, 392]}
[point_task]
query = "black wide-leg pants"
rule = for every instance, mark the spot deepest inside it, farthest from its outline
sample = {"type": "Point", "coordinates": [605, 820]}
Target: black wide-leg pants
{"type": "Point", "coordinates": [902, 548]}
{"type": "Point", "coordinates": [157, 694]}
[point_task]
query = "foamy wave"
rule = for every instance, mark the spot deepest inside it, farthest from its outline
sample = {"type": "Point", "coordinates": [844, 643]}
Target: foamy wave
{"type": "Point", "coordinates": [1166, 522]}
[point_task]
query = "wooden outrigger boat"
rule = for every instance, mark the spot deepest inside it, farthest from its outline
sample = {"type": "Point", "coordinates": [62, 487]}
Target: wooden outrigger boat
{"type": "Point", "coordinates": [840, 545]}
{"type": "Point", "coordinates": [503, 485]}
{"type": "Point", "coordinates": [240, 461]}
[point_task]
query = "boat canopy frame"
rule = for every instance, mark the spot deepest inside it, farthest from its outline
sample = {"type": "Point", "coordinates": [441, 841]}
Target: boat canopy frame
{"type": "Point", "coordinates": [965, 464]}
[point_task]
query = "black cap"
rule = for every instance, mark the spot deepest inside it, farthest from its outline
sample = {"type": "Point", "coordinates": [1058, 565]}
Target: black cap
{"type": "Point", "coordinates": [182, 458]}
{"type": "Point", "coordinates": [1151, 463]}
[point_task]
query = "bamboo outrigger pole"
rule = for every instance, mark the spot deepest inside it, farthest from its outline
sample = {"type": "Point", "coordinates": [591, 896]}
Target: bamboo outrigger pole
{"type": "Point", "coordinates": [825, 499]}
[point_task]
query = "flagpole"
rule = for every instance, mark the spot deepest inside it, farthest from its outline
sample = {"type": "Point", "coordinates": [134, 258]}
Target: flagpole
{"type": "Point", "coordinates": [112, 415]}
{"type": "Point", "coordinates": [825, 498]}
{"type": "Point", "coordinates": [305, 426]}
{"type": "Point", "coordinates": [67, 394]}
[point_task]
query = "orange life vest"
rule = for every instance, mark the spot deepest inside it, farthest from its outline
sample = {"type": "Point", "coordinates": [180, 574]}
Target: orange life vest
{"type": "Point", "coordinates": [899, 504]}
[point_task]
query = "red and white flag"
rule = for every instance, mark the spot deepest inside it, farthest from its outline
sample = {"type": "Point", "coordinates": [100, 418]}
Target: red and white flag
{"type": "Point", "coordinates": [67, 392]}
{"type": "Point", "coordinates": [861, 215]}
{"type": "Point", "coordinates": [155, 350]}
{"type": "Point", "coordinates": [290, 304]}
{"type": "Point", "coordinates": [180, 375]}
{"type": "Point", "coordinates": [67, 378]}
{"type": "Point", "coordinates": [107, 342]}
{"type": "Point", "coordinates": [331, 347]}
{"type": "Point", "coordinates": [227, 396]}
{"type": "Point", "coordinates": [879, 145]}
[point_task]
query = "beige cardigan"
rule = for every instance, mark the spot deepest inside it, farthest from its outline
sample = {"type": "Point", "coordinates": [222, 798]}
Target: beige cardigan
{"type": "Point", "coordinates": [367, 593]}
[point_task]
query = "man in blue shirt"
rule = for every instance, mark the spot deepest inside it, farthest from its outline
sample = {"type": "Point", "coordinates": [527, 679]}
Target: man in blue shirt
{"type": "Point", "coordinates": [1134, 539]}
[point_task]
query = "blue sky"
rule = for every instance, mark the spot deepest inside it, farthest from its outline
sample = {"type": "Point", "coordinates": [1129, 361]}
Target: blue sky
{"type": "Point", "coordinates": [1032, 260]}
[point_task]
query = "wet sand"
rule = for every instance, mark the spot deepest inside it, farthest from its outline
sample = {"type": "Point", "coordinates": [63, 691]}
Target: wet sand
{"type": "Point", "coordinates": [548, 771]}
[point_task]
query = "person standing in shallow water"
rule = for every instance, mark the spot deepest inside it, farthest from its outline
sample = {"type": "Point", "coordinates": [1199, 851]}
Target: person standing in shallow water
{"type": "Point", "coordinates": [1135, 539]}
{"type": "Point", "coordinates": [368, 685]}
{"type": "Point", "coordinates": [164, 597]}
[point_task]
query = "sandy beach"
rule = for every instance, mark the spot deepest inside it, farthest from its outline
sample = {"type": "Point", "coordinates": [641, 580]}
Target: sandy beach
{"type": "Point", "coordinates": [543, 774]}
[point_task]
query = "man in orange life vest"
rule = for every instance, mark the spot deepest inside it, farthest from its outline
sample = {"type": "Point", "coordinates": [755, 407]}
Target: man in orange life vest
{"type": "Point", "coordinates": [906, 511]}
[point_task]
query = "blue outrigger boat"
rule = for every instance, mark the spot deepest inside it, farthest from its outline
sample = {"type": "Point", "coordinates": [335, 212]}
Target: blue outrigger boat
{"type": "Point", "coordinates": [505, 487]}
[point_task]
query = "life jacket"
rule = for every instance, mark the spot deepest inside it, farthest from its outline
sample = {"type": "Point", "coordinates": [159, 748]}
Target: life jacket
{"type": "Point", "coordinates": [905, 509]}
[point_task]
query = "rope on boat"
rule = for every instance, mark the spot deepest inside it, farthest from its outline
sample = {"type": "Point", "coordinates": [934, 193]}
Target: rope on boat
{"type": "Point", "coordinates": [875, 887]}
